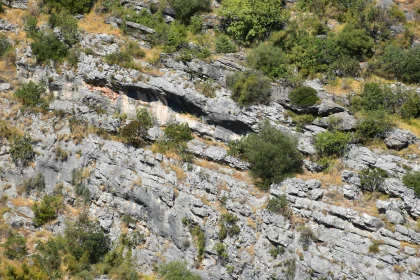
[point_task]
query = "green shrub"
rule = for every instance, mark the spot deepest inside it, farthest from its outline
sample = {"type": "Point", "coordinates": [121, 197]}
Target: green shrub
{"type": "Point", "coordinates": [225, 45]}
{"type": "Point", "coordinates": [47, 46]}
{"type": "Point", "coordinates": [411, 106]}
{"type": "Point", "coordinates": [401, 63]}
{"type": "Point", "coordinates": [30, 94]}
{"type": "Point", "coordinates": [68, 27]}
{"type": "Point", "coordinates": [372, 178]}
{"type": "Point", "coordinates": [5, 45]}
{"type": "Point", "coordinates": [176, 134]}
{"type": "Point", "coordinates": [31, 27]}
{"type": "Point", "coordinates": [87, 239]}
{"type": "Point", "coordinates": [176, 270]}
{"type": "Point", "coordinates": [72, 6]}
{"type": "Point", "coordinates": [21, 151]}
{"type": "Point", "coordinates": [120, 58]}
{"type": "Point", "coordinates": [377, 97]}
{"type": "Point", "coordinates": [228, 226]}
{"type": "Point", "coordinates": [280, 205]}
{"type": "Point", "coordinates": [15, 246]}
{"type": "Point", "coordinates": [412, 181]}
{"type": "Point", "coordinates": [303, 96]}
{"type": "Point", "coordinates": [306, 237]}
{"type": "Point", "coordinates": [268, 59]}
{"type": "Point", "coordinates": [301, 120]}
{"type": "Point", "coordinates": [355, 42]}
{"type": "Point", "coordinates": [276, 250]}
{"type": "Point", "coordinates": [249, 20]}
{"type": "Point", "coordinates": [374, 125]}
{"type": "Point", "coordinates": [249, 88]}
{"type": "Point", "coordinates": [46, 210]}
{"type": "Point", "coordinates": [273, 155]}
{"type": "Point", "coordinates": [185, 9]}
{"type": "Point", "coordinates": [221, 250]}
{"type": "Point", "coordinates": [200, 240]}
{"type": "Point", "coordinates": [196, 24]}
{"type": "Point", "coordinates": [331, 143]}
{"type": "Point", "coordinates": [136, 132]}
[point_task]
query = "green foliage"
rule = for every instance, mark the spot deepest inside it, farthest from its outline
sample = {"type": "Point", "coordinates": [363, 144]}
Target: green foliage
{"type": "Point", "coordinates": [119, 265]}
{"type": "Point", "coordinates": [5, 45]}
{"type": "Point", "coordinates": [176, 270]}
{"type": "Point", "coordinates": [303, 96]}
{"type": "Point", "coordinates": [185, 9]}
{"type": "Point", "coordinates": [290, 269]}
{"type": "Point", "coordinates": [374, 247]}
{"type": "Point", "coordinates": [15, 246]}
{"type": "Point", "coordinates": [88, 239]}
{"type": "Point", "coordinates": [411, 106]}
{"type": "Point", "coordinates": [301, 120]}
{"type": "Point", "coordinates": [273, 155]}
{"type": "Point", "coordinates": [377, 97]}
{"type": "Point", "coordinates": [21, 151]}
{"type": "Point", "coordinates": [175, 138]}
{"type": "Point", "coordinates": [196, 24]}
{"type": "Point", "coordinates": [200, 240]}
{"type": "Point", "coordinates": [46, 210]}
{"type": "Point", "coordinates": [306, 237]}
{"type": "Point", "coordinates": [412, 181]}
{"type": "Point", "coordinates": [225, 45]}
{"type": "Point", "coordinates": [47, 46]}
{"type": "Point", "coordinates": [68, 26]}
{"type": "Point", "coordinates": [280, 205]}
{"type": "Point", "coordinates": [135, 133]}
{"type": "Point", "coordinates": [276, 250]}
{"type": "Point", "coordinates": [120, 58]}
{"type": "Point", "coordinates": [355, 42]}
{"type": "Point", "coordinates": [221, 250]}
{"type": "Point", "coordinates": [30, 94]}
{"type": "Point", "coordinates": [72, 6]}
{"type": "Point", "coordinates": [268, 59]}
{"type": "Point", "coordinates": [250, 87]}
{"type": "Point", "coordinates": [401, 63]}
{"type": "Point", "coordinates": [372, 178]}
{"type": "Point", "coordinates": [30, 27]}
{"type": "Point", "coordinates": [250, 20]}
{"type": "Point", "coordinates": [228, 226]}
{"type": "Point", "coordinates": [331, 143]}
{"type": "Point", "coordinates": [374, 125]}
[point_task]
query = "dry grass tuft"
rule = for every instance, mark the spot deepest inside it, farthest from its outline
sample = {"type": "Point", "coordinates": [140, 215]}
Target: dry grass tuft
{"type": "Point", "coordinates": [94, 23]}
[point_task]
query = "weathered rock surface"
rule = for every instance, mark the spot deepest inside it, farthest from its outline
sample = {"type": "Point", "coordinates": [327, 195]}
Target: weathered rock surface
{"type": "Point", "coordinates": [399, 139]}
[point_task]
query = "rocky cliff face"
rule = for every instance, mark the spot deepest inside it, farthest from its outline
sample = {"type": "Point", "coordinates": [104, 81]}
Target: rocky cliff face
{"type": "Point", "coordinates": [162, 194]}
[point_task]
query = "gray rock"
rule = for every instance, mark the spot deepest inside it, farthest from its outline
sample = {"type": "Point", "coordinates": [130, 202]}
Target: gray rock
{"type": "Point", "coordinates": [394, 217]}
{"type": "Point", "coordinates": [312, 166]}
{"type": "Point", "coordinates": [351, 177]}
{"type": "Point", "coordinates": [350, 192]}
{"type": "Point", "coordinates": [17, 4]}
{"type": "Point", "coordinates": [328, 107]}
{"type": "Point", "coordinates": [399, 139]}
{"type": "Point", "coordinates": [343, 120]}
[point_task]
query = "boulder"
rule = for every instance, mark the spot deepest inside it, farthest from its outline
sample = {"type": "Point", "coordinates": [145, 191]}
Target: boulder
{"type": "Point", "coordinates": [343, 120]}
{"type": "Point", "coordinates": [328, 107]}
{"type": "Point", "coordinates": [399, 139]}
{"type": "Point", "coordinates": [350, 192]}
{"type": "Point", "coordinates": [394, 217]}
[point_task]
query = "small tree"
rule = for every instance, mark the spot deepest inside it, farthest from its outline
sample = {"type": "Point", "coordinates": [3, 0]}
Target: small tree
{"type": "Point", "coordinates": [249, 88]}
{"type": "Point", "coordinates": [273, 155]}
{"type": "Point", "coordinates": [48, 47]}
{"type": "Point", "coordinates": [303, 96]}
{"type": "Point", "coordinates": [225, 45]}
{"type": "Point", "coordinates": [185, 9]}
{"type": "Point", "coordinates": [268, 59]}
{"type": "Point", "coordinates": [374, 125]}
{"type": "Point", "coordinates": [46, 210]}
{"type": "Point", "coordinates": [372, 178]}
{"type": "Point", "coordinates": [279, 205]}
{"type": "Point", "coordinates": [5, 45]}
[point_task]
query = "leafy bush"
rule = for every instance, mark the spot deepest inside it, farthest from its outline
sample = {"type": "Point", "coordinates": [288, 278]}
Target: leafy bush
{"type": "Point", "coordinates": [68, 27]}
{"type": "Point", "coordinates": [412, 181]}
{"type": "Point", "coordinates": [15, 246]}
{"type": "Point", "coordinates": [377, 97]}
{"type": "Point", "coordinates": [225, 45]}
{"type": "Point", "coordinates": [301, 120]}
{"type": "Point", "coordinates": [46, 210]}
{"type": "Point", "coordinates": [249, 88]}
{"type": "Point", "coordinates": [185, 9]}
{"type": "Point", "coordinates": [21, 151]}
{"type": "Point", "coordinates": [268, 59]}
{"type": "Point", "coordinates": [401, 63]}
{"type": "Point", "coordinates": [273, 155]}
{"type": "Point", "coordinates": [36, 183]}
{"type": "Point", "coordinates": [120, 58]}
{"type": "Point", "coordinates": [248, 20]}
{"type": "Point", "coordinates": [374, 125]}
{"type": "Point", "coordinates": [176, 134]}
{"type": "Point", "coordinates": [331, 143]}
{"type": "Point", "coordinates": [200, 239]}
{"type": "Point", "coordinates": [303, 96]}
{"type": "Point", "coordinates": [48, 47]}
{"type": "Point", "coordinates": [276, 250]}
{"type": "Point", "coordinates": [176, 270]}
{"type": "Point", "coordinates": [5, 45]}
{"type": "Point", "coordinates": [72, 6]}
{"type": "Point", "coordinates": [30, 94]}
{"type": "Point", "coordinates": [411, 106]}
{"type": "Point", "coordinates": [220, 249]}
{"type": "Point", "coordinates": [355, 42]}
{"type": "Point", "coordinates": [372, 178]}
{"type": "Point", "coordinates": [280, 205]}
{"type": "Point", "coordinates": [87, 239]}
